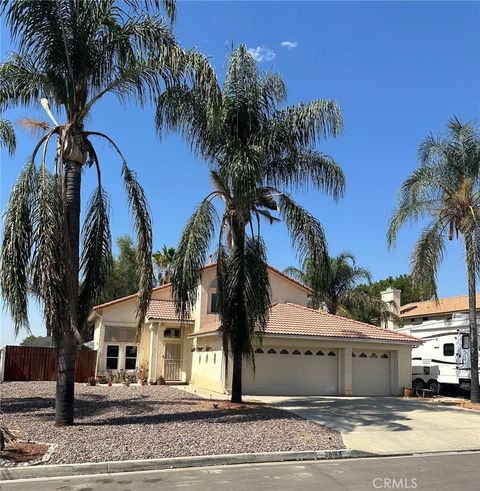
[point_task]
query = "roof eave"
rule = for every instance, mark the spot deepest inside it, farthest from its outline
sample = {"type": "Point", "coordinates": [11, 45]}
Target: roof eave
{"type": "Point", "coordinates": [166, 319]}
{"type": "Point", "coordinates": [337, 338]}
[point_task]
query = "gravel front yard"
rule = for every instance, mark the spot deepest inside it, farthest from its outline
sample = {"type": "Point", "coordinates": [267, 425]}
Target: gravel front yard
{"type": "Point", "coordinates": [121, 423]}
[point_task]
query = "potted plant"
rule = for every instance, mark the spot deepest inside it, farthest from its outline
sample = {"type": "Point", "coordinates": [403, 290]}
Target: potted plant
{"type": "Point", "coordinates": [142, 374]}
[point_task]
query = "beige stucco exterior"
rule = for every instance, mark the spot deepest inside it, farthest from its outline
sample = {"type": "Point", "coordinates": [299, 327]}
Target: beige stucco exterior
{"type": "Point", "coordinates": [202, 360]}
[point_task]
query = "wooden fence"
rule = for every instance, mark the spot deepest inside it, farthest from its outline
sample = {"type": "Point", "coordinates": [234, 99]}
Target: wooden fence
{"type": "Point", "coordinates": [34, 363]}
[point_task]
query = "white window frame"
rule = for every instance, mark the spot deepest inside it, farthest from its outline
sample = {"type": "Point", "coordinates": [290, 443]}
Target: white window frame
{"type": "Point", "coordinates": [122, 348]}
{"type": "Point", "coordinates": [212, 290]}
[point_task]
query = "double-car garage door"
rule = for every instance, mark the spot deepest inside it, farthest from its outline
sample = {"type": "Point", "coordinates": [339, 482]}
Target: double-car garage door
{"type": "Point", "coordinates": [295, 371]}
{"type": "Point", "coordinates": [292, 371]}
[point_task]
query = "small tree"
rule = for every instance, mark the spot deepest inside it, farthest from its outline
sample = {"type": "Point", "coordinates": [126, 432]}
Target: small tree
{"type": "Point", "coordinates": [164, 262]}
{"type": "Point", "coordinates": [410, 292]}
{"type": "Point", "coordinates": [125, 273]}
{"type": "Point", "coordinates": [30, 338]}
{"type": "Point", "coordinates": [337, 288]}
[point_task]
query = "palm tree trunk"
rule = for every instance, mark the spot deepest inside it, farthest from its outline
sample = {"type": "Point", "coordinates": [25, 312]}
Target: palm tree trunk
{"type": "Point", "coordinates": [65, 394]}
{"type": "Point", "coordinates": [237, 376]}
{"type": "Point", "coordinates": [472, 314]}
{"type": "Point", "coordinates": [238, 243]}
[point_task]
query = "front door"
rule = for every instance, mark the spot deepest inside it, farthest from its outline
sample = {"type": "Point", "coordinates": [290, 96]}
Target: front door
{"type": "Point", "coordinates": [172, 361]}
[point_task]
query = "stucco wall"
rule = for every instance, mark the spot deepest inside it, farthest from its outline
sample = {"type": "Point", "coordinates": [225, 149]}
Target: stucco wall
{"type": "Point", "coordinates": [208, 366]}
{"type": "Point", "coordinates": [286, 291]}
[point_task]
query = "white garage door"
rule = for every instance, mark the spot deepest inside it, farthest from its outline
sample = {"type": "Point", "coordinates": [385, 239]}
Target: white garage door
{"type": "Point", "coordinates": [371, 373]}
{"type": "Point", "coordinates": [292, 371]}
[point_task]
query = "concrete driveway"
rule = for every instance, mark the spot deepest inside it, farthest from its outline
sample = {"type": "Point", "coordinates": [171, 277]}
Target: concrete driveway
{"type": "Point", "coordinates": [384, 425]}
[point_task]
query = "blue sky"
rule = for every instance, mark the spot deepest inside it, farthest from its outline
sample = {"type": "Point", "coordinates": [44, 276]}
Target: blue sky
{"type": "Point", "coordinates": [398, 71]}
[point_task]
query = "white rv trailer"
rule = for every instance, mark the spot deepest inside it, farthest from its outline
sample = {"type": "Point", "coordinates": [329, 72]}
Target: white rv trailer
{"type": "Point", "coordinates": [442, 359]}
{"type": "Point", "coordinates": [444, 355]}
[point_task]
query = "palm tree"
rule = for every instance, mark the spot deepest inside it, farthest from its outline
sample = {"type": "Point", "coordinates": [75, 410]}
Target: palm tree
{"type": "Point", "coordinates": [164, 260]}
{"type": "Point", "coordinates": [71, 54]}
{"type": "Point", "coordinates": [256, 151]}
{"type": "Point", "coordinates": [445, 189]}
{"type": "Point", "coordinates": [337, 286]}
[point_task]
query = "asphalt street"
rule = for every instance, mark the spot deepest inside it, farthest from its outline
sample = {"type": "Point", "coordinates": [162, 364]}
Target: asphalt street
{"type": "Point", "coordinates": [454, 471]}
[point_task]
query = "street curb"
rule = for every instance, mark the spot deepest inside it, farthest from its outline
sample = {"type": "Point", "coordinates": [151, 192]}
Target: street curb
{"type": "Point", "coordinates": [62, 470]}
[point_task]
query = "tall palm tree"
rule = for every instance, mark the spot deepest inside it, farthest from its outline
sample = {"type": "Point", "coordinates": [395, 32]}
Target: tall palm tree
{"type": "Point", "coordinates": [445, 189]}
{"type": "Point", "coordinates": [71, 54]}
{"type": "Point", "coordinates": [337, 286]}
{"type": "Point", "coordinates": [164, 261]}
{"type": "Point", "coordinates": [257, 151]}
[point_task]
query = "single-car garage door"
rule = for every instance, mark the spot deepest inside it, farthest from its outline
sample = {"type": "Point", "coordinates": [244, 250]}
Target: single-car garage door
{"type": "Point", "coordinates": [291, 371]}
{"type": "Point", "coordinates": [370, 373]}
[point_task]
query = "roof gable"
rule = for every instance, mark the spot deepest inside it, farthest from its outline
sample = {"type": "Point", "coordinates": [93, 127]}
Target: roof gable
{"type": "Point", "coordinates": [209, 266]}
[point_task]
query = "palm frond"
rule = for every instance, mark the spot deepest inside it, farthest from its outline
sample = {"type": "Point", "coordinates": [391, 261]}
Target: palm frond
{"type": "Point", "coordinates": [420, 195]}
{"type": "Point", "coordinates": [18, 236]}
{"type": "Point", "coordinates": [51, 262]}
{"type": "Point", "coordinates": [427, 255]}
{"type": "Point", "coordinates": [305, 168]}
{"type": "Point", "coordinates": [7, 135]}
{"type": "Point", "coordinates": [191, 256]}
{"type": "Point", "coordinates": [306, 123]}
{"type": "Point", "coordinates": [96, 259]}
{"type": "Point", "coordinates": [143, 226]}
{"type": "Point", "coordinates": [305, 231]}
{"type": "Point", "coordinates": [295, 273]}
{"type": "Point", "coordinates": [244, 295]}
{"type": "Point", "coordinates": [34, 126]}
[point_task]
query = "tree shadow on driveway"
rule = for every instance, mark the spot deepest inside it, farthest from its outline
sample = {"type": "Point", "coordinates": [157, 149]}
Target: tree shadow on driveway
{"type": "Point", "coordinates": [348, 414]}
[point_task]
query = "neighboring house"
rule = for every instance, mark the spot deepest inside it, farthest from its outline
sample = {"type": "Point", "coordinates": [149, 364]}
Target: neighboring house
{"type": "Point", "coordinates": [443, 326]}
{"type": "Point", "coordinates": [431, 317]}
{"type": "Point", "coordinates": [302, 352]}
{"type": "Point", "coordinates": [43, 342]}
{"type": "Point", "coordinates": [47, 342]}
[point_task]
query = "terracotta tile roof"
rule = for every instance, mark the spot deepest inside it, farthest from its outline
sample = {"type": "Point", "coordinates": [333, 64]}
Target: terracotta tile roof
{"type": "Point", "coordinates": [296, 320]}
{"type": "Point", "coordinates": [208, 266]}
{"type": "Point", "coordinates": [128, 297]}
{"type": "Point", "coordinates": [442, 306]}
{"type": "Point", "coordinates": [163, 310]}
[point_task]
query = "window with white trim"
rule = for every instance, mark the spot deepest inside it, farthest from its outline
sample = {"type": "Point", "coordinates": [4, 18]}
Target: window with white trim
{"type": "Point", "coordinates": [213, 297]}
{"type": "Point", "coordinates": [113, 354]}
{"type": "Point", "coordinates": [130, 357]}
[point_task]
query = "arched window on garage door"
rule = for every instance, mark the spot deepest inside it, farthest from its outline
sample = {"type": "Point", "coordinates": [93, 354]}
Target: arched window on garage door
{"type": "Point", "coordinates": [331, 353]}
{"type": "Point", "coordinates": [384, 355]}
{"type": "Point", "coordinates": [259, 350]}
{"type": "Point", "coordinates": [296, 352]}
{"type": "Point", "coordinates": [284, 352]}
{"type": "Point", "coordinates": [271, 351]}
{"type": "Point", "coordinates": [308, 353]}
{"type": "Point", "coordinates": [362, 355]}
{"type": "Point", "coordinates": [320, 353]}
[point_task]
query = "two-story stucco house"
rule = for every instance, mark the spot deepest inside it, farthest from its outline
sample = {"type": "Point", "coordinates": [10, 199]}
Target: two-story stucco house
{"type": "Point", "coordinates": [302, 352]}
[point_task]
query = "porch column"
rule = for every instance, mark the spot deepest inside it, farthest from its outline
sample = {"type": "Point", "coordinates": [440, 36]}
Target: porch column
{"type": "Point", "coordinates": [345, 371]}
{"type": "Point", "coordinates": [400, 370]}
{"type": "Point", "coordinates": [153, 354]}
{"type": "Point", "coordinates": [99, 345]}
